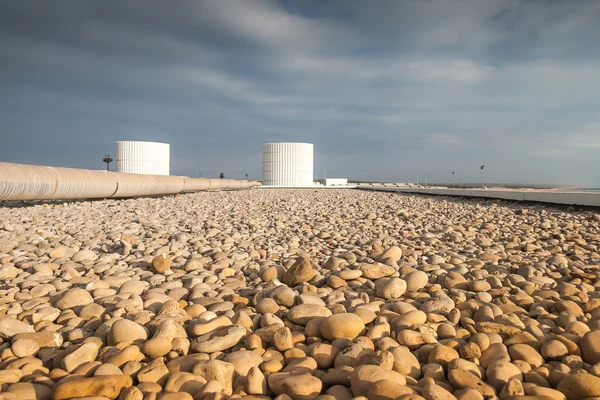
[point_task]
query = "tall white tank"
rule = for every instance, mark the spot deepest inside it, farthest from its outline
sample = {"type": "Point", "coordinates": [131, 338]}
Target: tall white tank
{"type": "Point", "coordinates": [288, 164]}
{"type": "Point", "coordinates": [135, 157]}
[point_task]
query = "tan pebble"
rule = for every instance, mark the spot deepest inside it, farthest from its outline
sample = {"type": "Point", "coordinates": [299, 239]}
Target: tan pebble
{"type": "Point", "coordinates": [175, 396]}
{"type": "Point", "coordinates": [410, 318]}
{"type": "Point", "coordinates": [346, 325]}
{"type": "Point", "coordinates": [74, 298]}
{"type": "Point", "coordinates": [442, 355]}
{"type": "Point", "coordinates": [161, 264]}
{"type": "Point", "coordinates": [268, 274]}
{"type": "Point", "coordinates": [367, 316]}
{"type": "Point", "coordinates": [324, 354]}
{"type": "Point", "coordinates": [300, 271]}
{"type": "Point", "coordinates": [107, 369]}
{"type": "Point", "coordinates": [181, 346]}
{"type": "Point", "coordinates": [186, 363]}
{"type": "Point", "coordinates": [155, 372]}
{"type": "Point", "coordinates": [24, 348]}
{"type": "Point", "coordinates": [446, 331]}
{"type": "Point", "coordinates": [405, 362]}
{"type": "Point", "coordinates": [130, 353]}
{"type": "Point", "coordinates": [253, 341]}
{"type": "Point", "coordinates": [590, 347]}
{"type": "Point", "coordinates": [201, 328]}
{"type": "Point", "coordinates": [150, 387]}
{"type": "Point", "coordinates": [43, 339]}
{"type": "Point", "coordinates": [415, 280]}
{"type": "Point", "coordinates": [579, 386]}
{"type": "Point", "coordinates": [340, 392]}
{"type": "Point", "coordinates": [554, 350]}
{"type": "Point", "coordinates": [156, 347]}
{"type": "Point", "coordinates": [468, 394]}
{"type": "Point", "coordinates": [335, 282]}
{"type": "Point", "coordinates": [298, 386]}
{"type": "Point", "coordinates": [185, 382]}
{"type": "Point", "coordinates": [30, 391]}
{"type": "Point", "coordinates": [242, 361]}
{"type": "Point", "coordinates": [126, 331]}
{"type": "Point", "coordinates": [220, 339]}
{"type": "Point", "coordinates": [87, 369]}
{"type": "Point", "coordinates": [283, 339]}
{"type": "Point", "coordinates": [413, 340]}
{"type": "Point", "coordinates": [313, 327]}
{"type": "Point", "coordinates": [375, 271]}
{"type": "Point", "coordinates": [434, 371]}
{"type": "Point", "coordinates": [465, 380]}
{"type": "Point", "coordinates": [11, 375]}
{"type": "Point", "coordinates": [391, 288]}
{"type": "Point", "coordinates": [534, 390]}
{"type": "Point", "coordinates": [295, 353]}
{"type": "Point", "coordinates": [303, 313]}
{"type": "Point", "coordinates": [87, 352]}
{"type": "Point", "coordinates": [364, 377]}
{"type": "Point", "coordinates": [431, 390]}
{"type": "Point", "coordinates": [131, 393]}
{"type": "Point", "coordinates": [380, 358]}
{"type": "Point", "coordinates": [272, 366]}
{"type": "Point", "coordinates": [267, 305]}
{"type": "Point", "coordinates": [256, 382]}
{"type": "Point", "coordinates": [10, 327]}
{"type": "Point", "coordinates": [219, 371]}
{"type": "Point", "coordinates": [514, 387]}
{"type": "Point", "coordinates": [386, 389]}
{"type": "Point", "coordinates": [107, 386]}
{"type": "Point", "coordinates": [526, 353]}
{"type": "Point", "coordinates": [469, 351]}
{"type": "Point", "coordinates": [305, 364]}
{"type": "Point", "coordinates": [499, 373]}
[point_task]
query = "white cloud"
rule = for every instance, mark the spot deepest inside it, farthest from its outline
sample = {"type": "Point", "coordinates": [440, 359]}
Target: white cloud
{"type": "Point", "coordinates": [431, 75]}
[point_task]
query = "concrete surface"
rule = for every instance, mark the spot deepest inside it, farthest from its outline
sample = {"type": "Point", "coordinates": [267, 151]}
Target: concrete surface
{"type": "Point", "coordinates": [553, 197]}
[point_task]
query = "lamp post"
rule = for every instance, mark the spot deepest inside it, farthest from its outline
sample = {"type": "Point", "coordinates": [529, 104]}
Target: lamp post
{"type": "Point", "coordinates": [107, 159]}
{"type": "Point", "coordinates": [453, 173]}
{"type": "Point", "coordinates": [482, 167]}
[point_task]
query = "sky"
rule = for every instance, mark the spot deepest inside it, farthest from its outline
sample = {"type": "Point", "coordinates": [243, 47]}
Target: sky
{"type": "Point", "coordinates": [385, 89]}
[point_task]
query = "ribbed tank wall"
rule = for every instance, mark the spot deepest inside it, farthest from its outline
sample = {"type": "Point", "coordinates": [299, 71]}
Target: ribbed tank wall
{"type": "Point", "coordinates": [150, 158]}
{"type": "Point", "coordinates": [288, 164]}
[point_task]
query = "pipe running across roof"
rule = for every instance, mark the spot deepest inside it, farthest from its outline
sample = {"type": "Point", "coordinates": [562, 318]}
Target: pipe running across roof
{"type": "Point", "coordinates": [34, 182]}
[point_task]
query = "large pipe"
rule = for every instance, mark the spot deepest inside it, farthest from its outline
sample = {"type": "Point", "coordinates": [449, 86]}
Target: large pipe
{"type": "Point", "coordinates": [33, 182]}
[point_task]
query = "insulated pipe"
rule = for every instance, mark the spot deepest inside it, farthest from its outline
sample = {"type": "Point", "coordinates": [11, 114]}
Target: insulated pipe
{"type": "Point", "coordinates": [218, 184]}
{"type": "Point", "coordinates": [33, 182]}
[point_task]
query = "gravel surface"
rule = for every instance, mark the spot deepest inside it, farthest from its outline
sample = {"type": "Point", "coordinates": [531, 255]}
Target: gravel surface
{"type": "Point", "coordinates": [301, 294]}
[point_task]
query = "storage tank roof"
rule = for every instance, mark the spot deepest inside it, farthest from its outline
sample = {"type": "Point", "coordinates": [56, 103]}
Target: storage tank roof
{"type": "Point", "coordinates": [139, 141]}
{"type": "Point", "coordinates": [288, 143]}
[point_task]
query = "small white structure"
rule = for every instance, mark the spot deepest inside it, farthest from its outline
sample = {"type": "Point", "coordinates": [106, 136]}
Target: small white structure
{"type": "Point", "coordinates": [336, 181]}
{"type": "Point", "coordinates": [288, 164]}
{"type": "Point", "coordinates": [135, 157]}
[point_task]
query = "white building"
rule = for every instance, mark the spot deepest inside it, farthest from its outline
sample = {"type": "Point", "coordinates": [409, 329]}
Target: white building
{"type": "Point", "coordinates": [336, 181]}
{"type": "Point", "coordinates": [134, 157]}
{"type": "Point", "coordinates": [288, 164]}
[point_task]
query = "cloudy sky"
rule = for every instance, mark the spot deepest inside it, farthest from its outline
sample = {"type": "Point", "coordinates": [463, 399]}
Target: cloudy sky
{"type": "Point", "coordinates": [385, 89]}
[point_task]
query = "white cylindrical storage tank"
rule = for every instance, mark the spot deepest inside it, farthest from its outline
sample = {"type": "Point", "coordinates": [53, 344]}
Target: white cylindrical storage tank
{"type": "Point", "coordinates": [135, 157]}
{"type": "Point", "coordinates": [288, 164]}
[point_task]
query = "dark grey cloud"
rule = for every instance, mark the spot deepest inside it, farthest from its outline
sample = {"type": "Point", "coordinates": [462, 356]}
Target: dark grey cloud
{"type": "Point", "coordinates": [384, 92]}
